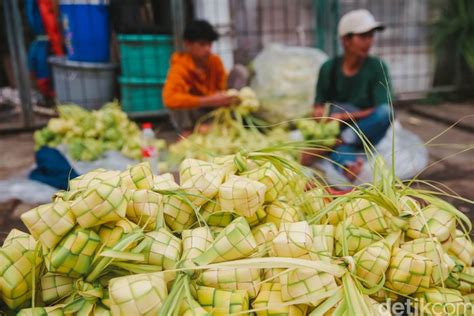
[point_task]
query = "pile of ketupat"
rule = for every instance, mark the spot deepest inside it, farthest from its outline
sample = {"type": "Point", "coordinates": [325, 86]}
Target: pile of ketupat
{"type": "Point", "coordinates": [229, 129]}
{"type": "Point", "coordinates": [88, 134]}
{"type": "Point", "coordinates": [238, 235]}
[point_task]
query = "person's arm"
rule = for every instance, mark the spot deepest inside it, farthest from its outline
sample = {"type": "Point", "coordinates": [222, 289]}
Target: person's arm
{"type": "Point", "coordinates": [176, 93]}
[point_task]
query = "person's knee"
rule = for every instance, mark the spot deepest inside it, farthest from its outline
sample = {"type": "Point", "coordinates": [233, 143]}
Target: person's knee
{"type": "Point", "coordinates": [383, 113]}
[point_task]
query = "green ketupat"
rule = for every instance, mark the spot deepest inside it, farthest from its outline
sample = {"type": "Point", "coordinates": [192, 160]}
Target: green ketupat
{"type": "Point", "coordinates": [372, 262]}
{"type": "Point", "coordinates": [161, 248]}
{"type": "Point", "coordinates": [280, 212]}
{"type": "Point", "coordinates": [55, 286]}
{"type": "Point", "coordinates": [264, 234]}
{"type": "Point", "coordinates": [234, 242]}
{"type": "Point", "coordinates": [105, 202]}
{"type": "Point", "coordinates": [214, 216]}
{"type": "Point", "coordinates": [73, 256]}
{"type": "Point", "coordinates": [221, 302]}
{"type": "Point", "coordinates": [356, 238]}
{"type": "Point", "coordinates": [139, 176]}
{"type": "Point", "coordinates": [293, 240]}
{"type": "Point", "coordinates": [190, 167]}
{"type": "Point", "coordinates": [196, 241]}
{"type": "Point", "coordinates": [20, 263]}
{"type": "Point", "coordinates": [201, 188]}
{"type": "Point", "coordinates": [49, 223]}
{"type": "Point", "coordinates": [441, 301]}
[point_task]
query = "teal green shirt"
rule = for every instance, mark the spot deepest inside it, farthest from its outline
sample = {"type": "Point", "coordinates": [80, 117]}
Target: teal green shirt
{"type": "Point", "coordinates": [366, 89]}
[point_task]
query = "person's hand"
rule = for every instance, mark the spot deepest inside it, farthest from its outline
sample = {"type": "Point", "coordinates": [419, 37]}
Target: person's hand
{"type": "Point", "coordinates": [318, 111]}
{"type": "Point", "coordinates": [219, 100]}
{"type": "Point", "coordinates": [353, 115]}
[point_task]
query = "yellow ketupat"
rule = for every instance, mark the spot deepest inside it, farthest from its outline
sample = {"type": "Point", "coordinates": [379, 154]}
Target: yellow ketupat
{"type": "Point", "coordinates": [214, 216]}
{"type": "Point", "coordinates": [441, 301]}
{"type": "Point", "coordinates": [356, 238]}
{"type": "Point", "coordinates": [280, 212]}
{"type": "Point", "coordinates": [462, 248]}
{"type": "Point", "coordinates": [164, 181]}
{"type": "Point", "coordinates": [111, 233]}
{"type": "Point", "coordinates": [431, 249]}
{"type": "Point", "coordinates": [306, 285]}
{"type": "Point", "coordinates": [143, 208]}
{"type": "Point", "coordinates": [139, 176]}
{"type": "Point", "coordinates": [241, 195]}
{"type": "Point", "coordinates": [269, 175]}
{"type": "Point", "coordinates": [92, 178]}
{"type": "Point", "coordinates": [201, 188]}
{"type": "Point", "coordinates": [232, 279]}
{"type": "Point", "coordinates": [55, 286]}
{"type": "Point", "coordinates": [366, 214]}
{"type": "Point", "coordinates": [372, 262]}
{"type": "Point", "coordinates": [190, 167]}
{"type": "Point", "coordinates": [105, 202]}
{"type": "Point", "coordinates": [196, 241]}
{"type": "Point", "coordinates": [293, 240]}
{"type": "Point", "coordinates": [433, 222]}
{"type": "Point", "coordinates": [269, 302]}
{"type": "Point", "coordinates": [221, 302]}
{"type": "Point", "coordinates": [264, 234]}
{"type": "Point", "coordinates": [408, 273]}
{"type": "Point", "coordinates": [257, 218]}
{"type": "Point", "coordinates": [49, 223]}
{"type": "Point", "coordinates": [139, 294]}
{"type": "Point", "coordinates": [234, 242]}
{"type": "Point", "coordinates": [19, 259]}
{"type": "Point", "coordinates": [161, 248]}
{"type": "Point", "coordinates": [323, 242]}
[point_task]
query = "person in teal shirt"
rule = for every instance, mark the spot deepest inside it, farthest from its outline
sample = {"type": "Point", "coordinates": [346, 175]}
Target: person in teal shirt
{"type": "Point", "coordinates": [358, 86]}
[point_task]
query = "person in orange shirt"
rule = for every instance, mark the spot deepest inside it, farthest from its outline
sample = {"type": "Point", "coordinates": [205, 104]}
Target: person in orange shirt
{"type": "Point", "coordinates": [196, 80]}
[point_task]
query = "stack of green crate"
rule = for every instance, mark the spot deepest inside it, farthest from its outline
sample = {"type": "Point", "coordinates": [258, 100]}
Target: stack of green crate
{"type": "Point", "coordinates": [145, 62]}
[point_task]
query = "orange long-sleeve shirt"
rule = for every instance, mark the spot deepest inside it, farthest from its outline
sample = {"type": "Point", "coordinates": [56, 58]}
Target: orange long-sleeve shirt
{"type": "Point", "coordinates": [186, 82]}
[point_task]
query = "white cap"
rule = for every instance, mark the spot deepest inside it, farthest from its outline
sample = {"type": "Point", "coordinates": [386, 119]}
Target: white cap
{"type": "Point", "coordinates": [358, 22]}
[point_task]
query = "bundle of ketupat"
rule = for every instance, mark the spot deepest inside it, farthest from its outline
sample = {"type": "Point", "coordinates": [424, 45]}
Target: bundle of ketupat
{"type": "Point", "coordinates": [88, 134]}
{"type": "Point", "coordinates": [135, 243]}
{"type": "Point", "coordinates": [230, 129]}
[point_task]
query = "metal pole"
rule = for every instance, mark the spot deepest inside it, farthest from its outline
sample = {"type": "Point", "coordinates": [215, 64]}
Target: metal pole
{"type": "Point", "coordinates": [11, 43]}
{"type": "Point", "coordinates": [177, 12]}
{"type": "Point", "coordinates": [25, 84]}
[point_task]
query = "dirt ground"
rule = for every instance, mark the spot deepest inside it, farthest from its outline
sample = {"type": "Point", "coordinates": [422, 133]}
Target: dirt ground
{"type": "Point", "coordinates": [452, 163]}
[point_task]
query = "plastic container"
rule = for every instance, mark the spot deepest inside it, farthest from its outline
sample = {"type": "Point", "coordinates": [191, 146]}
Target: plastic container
{"type": "Point", "coordinates": [86, 29]}
{"type": "Point", "coordinates": [149, 150]}
{"type": "Point", "coordinates": [141, 95]}
{"type": "Point", "coordinates": [87, 84]}
{"type": "Point", "coordinates": [145, 56]}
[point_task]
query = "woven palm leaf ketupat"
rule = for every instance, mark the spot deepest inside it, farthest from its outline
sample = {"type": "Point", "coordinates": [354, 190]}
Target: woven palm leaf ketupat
{"type": "Point", "coordinates": [139, 176]}
{"type": "Point", "coordinates": [408, 273]}
{"type": "Point", "coordinates": [105, 202]}
{"type": "Point", "coordinates": [143, 208]}
{"type": "Point", "coordinates": [234, 242]}
{"type": "Point", "coordinates": [201, 188]}
{"type": "Point", "coordinates": [73, 256]}
{"type": "Point", "coordinates": [190, 167]}
{"type": "Point", "coordinates": [232, 279]}
{"type": "Point", "coordinates": [241, 195]}
{"type": "Point", "coordinates": [222, 302]}
{"type": "Point", "coordinates": [139, 294]}
{"type": "Point", "coordinates": [280, 212]}
{"type": "Point", "coordinates": [433, 222]}
{"type": "Point", "coordinates": [269, 302]}
{"type": "Point", "coordinates": [195, 242]}
{"type": "Point", "coordinates": [49, 223]}
{"type": "Point", "coordinates": [20, 263]}
{"type": "Point", "coordinates": [462, 248]}
{"type": "Point", "coordinates": [366, 214]}
{"type": "Point", "coordinates": [269, 175]}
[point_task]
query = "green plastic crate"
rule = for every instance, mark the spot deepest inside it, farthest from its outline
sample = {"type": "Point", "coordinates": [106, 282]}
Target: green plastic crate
{"type": "Point", "coordinates": [141, 95]}
{"type": "Point", "coordinates": [145, 56]}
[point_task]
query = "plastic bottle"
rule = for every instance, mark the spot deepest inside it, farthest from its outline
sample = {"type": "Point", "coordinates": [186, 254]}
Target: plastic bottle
{"type": "Point", "coordinates": [149, 151]}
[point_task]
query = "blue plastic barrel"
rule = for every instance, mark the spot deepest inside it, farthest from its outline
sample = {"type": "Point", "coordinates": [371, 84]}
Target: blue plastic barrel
{"type": "Point", "coordinates": [86, 29]}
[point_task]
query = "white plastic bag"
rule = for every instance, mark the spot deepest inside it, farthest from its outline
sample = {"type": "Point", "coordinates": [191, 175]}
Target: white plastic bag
{"type": "Point", "coordinates": [411, 157]}
{"type": "Point", "coordinates": [285, 81]}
